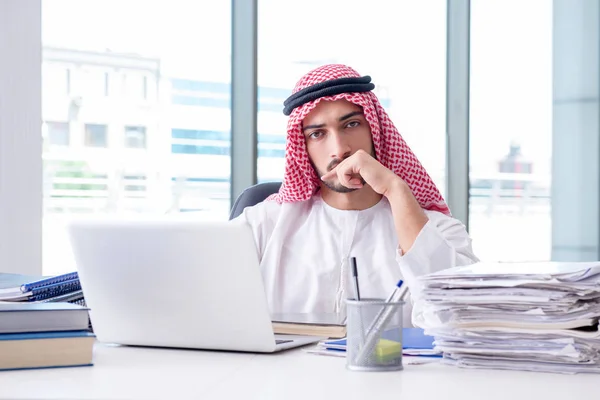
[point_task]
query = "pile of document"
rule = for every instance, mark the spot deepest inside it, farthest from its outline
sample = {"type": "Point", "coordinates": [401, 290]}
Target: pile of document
{"type": "Point", "coordinates": [518, 316]}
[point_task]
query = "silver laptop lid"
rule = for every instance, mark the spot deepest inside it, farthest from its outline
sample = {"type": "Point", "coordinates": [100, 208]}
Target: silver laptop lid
{"type": "Point", "coordinates": [174, 283]}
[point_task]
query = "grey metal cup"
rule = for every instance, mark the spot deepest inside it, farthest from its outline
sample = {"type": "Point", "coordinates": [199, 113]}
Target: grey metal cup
{"type": "Point", "coordinates": [374, 335]}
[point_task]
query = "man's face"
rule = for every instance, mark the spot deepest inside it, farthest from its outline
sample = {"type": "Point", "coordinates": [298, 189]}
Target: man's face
{"type": "Point", "coordinates": [333, 131]}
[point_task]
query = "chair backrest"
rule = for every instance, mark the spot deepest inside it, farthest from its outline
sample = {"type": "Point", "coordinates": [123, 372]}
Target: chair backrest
{"type": "Point", "coordinates": [252, 196]}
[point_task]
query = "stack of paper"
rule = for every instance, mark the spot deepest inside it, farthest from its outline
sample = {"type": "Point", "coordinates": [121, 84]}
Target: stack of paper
{"type": "Point", "coordinates": [526, 316]}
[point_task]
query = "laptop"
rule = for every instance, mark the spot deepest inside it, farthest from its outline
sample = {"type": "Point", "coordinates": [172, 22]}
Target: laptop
{"type": "Point", "coordinates": [174, 282]}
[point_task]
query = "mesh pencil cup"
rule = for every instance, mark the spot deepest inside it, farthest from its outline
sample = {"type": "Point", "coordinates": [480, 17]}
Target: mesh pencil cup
{"type": "Point", "coordinates": [374, 335]}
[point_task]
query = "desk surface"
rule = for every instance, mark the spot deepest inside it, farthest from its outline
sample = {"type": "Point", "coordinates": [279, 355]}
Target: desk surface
{"type": "Point", "coordinates": [143, 373]}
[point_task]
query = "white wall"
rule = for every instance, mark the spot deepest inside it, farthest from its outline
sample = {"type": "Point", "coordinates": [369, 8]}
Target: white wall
{"type": "Point", "coordinates": [20, 137]}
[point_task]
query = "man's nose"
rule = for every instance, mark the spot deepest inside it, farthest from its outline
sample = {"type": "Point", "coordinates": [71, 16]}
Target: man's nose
{"type": "Point", "coordinates": [340, 147]}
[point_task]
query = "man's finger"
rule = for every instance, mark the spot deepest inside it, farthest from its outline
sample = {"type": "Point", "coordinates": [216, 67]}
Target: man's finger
{"type": "Point", "coordinates": [355, 181]}
{"type": "Point", "coordinates": [329, 175]}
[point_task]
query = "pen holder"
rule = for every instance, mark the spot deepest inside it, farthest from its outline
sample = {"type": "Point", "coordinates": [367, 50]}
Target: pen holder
{"type": "Point", "coordinates": [374, 335]}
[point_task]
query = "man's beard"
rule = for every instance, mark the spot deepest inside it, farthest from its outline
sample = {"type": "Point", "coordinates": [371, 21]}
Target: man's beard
{"type": "Point", "coordinates": [337, 186]}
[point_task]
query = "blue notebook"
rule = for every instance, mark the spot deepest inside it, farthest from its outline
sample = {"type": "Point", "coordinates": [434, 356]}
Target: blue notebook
{"type": "Point", "coordinates": [412, 339]}
{"type": "Point", "coordinates": [14, 287]}
{"type": "Point", "coordinates": [38, 293]}
{"type": "Point", "coordinates": [27, 287]}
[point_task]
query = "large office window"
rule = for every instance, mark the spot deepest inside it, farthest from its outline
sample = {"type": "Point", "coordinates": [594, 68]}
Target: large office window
{"type": "Point", "coordinates": [400, 44]}
{"type": "Point", "coordinates": [511, 129]}
{"type": "Point", "coordinates": [121, 77]}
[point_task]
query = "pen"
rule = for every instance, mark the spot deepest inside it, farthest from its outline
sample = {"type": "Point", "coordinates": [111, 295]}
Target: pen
{"type": "Point", "coordinates": [381, 320]}
{"type": "Point", "coordinates": [355, 278]}
{"type": "Point", "coordinates": [357, 292]}
{"type": "Point", "coordinates": [396, 295]}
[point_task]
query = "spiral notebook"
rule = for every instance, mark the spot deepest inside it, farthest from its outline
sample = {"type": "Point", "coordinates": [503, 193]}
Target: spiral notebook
{"type": "Point", "coordinates": [14, 287]}
{"type": "Point", "coordinates": [57, 289]}
{"type": "Point", "coordinates": [49, 281]}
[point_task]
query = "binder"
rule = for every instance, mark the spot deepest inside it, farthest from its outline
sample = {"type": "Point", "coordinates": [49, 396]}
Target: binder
{"type": "Point", "coordinates": [71, 297]}
{"type": "Point", "coordinates": [27, 287]}
{"type": "Point", "coordinates": [57, 289]}
{"type": "Point", "coordinates": [16, 288]}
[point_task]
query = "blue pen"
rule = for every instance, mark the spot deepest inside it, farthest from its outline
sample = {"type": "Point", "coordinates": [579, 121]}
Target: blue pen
{"type": "Point", "coordinates": [396, 291]}
{"type": "Point", "coordinates": [396, 295]}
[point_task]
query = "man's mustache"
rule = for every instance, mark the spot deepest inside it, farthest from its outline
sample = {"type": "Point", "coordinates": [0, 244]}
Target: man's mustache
{"type": "Point", "coordinates": [337, 161]}
{"type": "Point", "coordinates": [334, 163]}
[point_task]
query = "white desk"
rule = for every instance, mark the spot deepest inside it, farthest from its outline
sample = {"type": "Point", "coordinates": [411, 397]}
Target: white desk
{"type": "Point", "coordinates": [141, 373]}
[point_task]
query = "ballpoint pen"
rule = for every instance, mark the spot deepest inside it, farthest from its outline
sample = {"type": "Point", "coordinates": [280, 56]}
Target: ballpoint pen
{"type": "Point", "coordinates": [355, 278]}
{"type": "Point", "coordinates": [357, 292]}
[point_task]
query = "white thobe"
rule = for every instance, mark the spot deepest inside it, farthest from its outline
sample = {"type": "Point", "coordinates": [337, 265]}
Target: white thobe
{"type": "Point", "coordinates": [305, 250]}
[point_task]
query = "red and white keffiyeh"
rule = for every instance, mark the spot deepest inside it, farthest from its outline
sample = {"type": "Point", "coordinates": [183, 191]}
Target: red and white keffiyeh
{"type": "Point", "coordinates": [300, 180]}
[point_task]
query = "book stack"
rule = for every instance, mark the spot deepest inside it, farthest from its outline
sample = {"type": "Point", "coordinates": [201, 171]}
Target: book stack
{"type": "Point", "coordinates": [44, 335]}
{"type": "Point", "coordinates": [62, 288]}
{"type": "Point", "coordinates": [517, 316]}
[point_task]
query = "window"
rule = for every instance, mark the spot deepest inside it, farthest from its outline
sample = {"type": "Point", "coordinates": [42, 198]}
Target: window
{"type": "Point", "coordinates": [200, 142]}
{"type": "Point", "coordinates": [271, 153]}
{"type": "Point", "coordinates": [403, 49]}
{"type": "Point", "coordinates": [201, 93]}
{"type": "Point", "coordinates": [511, 129]}
{"type": "Point", "coordinates": [198, 149]}
{"type": "Point", "coordinates": [201, 101]}
{"type": "Point", "coordinates": [130, 63]}
{"type": "Point", "coordinates": [57, 133]}
{"type": "Point", "coordinates": [95, 135]}
{"type": "Point", "coordinates": [197, 134]}
{"type": "Point", "coordinates": [135, 137]}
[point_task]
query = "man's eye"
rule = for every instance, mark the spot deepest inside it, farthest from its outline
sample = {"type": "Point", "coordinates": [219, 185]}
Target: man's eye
{"type": "Point", "coordinates": [315, 135]}
{"type": "Point", "coordinates": [352, 124]}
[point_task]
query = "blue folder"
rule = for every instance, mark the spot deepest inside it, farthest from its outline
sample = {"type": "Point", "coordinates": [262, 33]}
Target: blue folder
{"type": "Point", "coordinates": [412, 338]}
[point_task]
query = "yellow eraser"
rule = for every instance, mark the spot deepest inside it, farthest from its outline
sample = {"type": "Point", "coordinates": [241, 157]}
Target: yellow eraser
{"type": "Point", "coordinates": [388, 348]}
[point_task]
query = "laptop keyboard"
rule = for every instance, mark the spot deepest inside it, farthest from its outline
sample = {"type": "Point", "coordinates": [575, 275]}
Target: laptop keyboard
{"type": "Point", "coordinates": [281, 341]}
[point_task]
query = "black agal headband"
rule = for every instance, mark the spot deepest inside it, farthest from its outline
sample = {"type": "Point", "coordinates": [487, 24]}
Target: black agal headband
{"type": "Point", "coordinates": [327, 88]}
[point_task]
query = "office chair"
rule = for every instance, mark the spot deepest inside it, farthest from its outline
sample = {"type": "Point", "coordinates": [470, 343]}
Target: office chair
{"type": "Point", "coordinates": [252, 196]}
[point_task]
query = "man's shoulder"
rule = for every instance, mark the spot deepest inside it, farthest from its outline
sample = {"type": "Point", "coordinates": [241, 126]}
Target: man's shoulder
{"type": "Point", "coordinates": [272, 210]}
{"type": "Point", "coordinates": [263, 209]}
{"type": "Point", "coordinates": [442, 220]}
